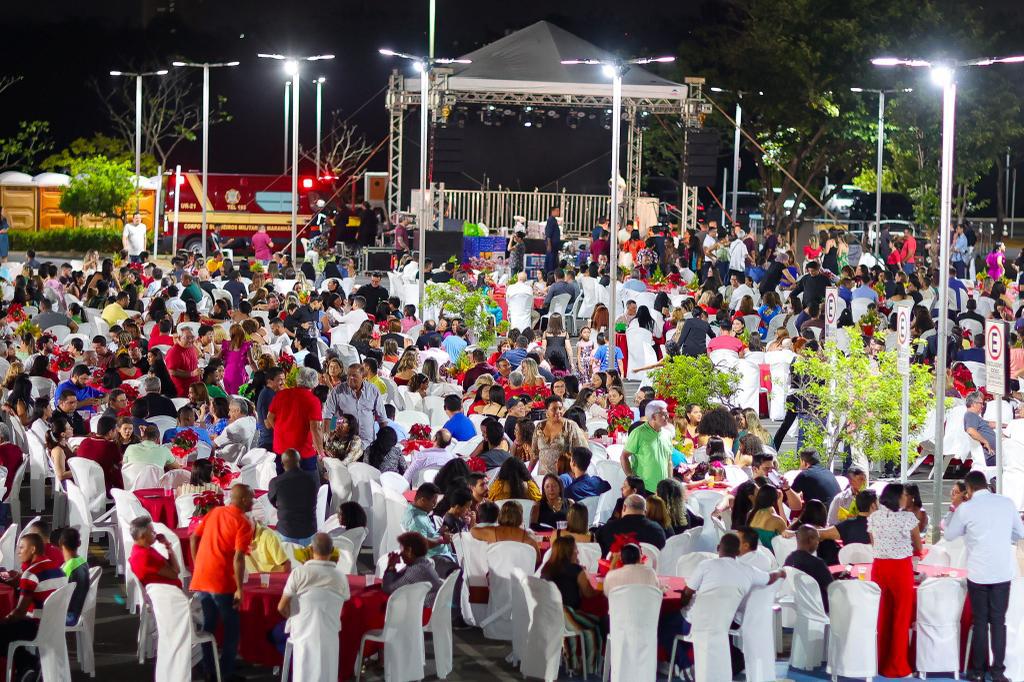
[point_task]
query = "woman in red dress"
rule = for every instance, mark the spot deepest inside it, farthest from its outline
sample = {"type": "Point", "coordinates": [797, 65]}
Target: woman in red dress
{"type": "Point", "coordinates": [895, 539]}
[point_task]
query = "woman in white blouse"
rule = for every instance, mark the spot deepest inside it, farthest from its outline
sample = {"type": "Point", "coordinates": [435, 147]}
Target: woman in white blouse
{"type": "Point", "coordinates": [895, 538]}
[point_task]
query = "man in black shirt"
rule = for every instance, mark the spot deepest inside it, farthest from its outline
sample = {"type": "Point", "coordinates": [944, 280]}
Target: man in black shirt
{"type": "Point", "coordinates": [373, 292]}
{"type": "Point", "coordinates": [156, 404]}
{"type": "Point", "coordinates": [803, 559]}
{"type": "Point", "coordinates": [693, 339]}
{"type": "Point", "coordinates": [814, 482]}
{"type": "Point", "coordinates": [855, 529]}
{"type": "Point", "coordinates": [633, 522]}
{"type": "Point", "coordinates": [812, 285]}
{"type": "Point", "coordinates": [293, 494]}
{"type": "Point", "coordinates": [429, 331]}
{"type": "Point", "coordinates": [235, 287]}
{"type": "Point", "coordinates": [494, 435]}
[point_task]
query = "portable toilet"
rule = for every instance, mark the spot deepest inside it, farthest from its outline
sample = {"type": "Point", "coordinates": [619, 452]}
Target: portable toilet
{"type": "Point", "coordinates": [18, 198]}
{"type": "Point", "coordinates": [50, 187]}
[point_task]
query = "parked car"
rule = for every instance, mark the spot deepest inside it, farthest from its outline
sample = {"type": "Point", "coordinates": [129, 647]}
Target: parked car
{"type": "Point", "coordinates": [895, 206]}
{"type": "Point", "coordinates": [839, 203]}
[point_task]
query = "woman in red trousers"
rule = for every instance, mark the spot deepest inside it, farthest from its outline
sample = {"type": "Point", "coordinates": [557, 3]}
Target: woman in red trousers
{"type": "Point", "coordinates": [896, 539]}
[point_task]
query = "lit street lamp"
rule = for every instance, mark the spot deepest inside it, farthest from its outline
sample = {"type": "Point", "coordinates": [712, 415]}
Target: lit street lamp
{"type": "Point", "coordinates": [287, 128]}
{"type": "Point", "coordinates": [424, 65]}
{"type": "Point", "coordinates": [206, 127]}
{"type": "Point", "coordinates": [944, 74]}
{"type": "Point", "coordinates": [881, 148]}
{"type": "Point", "coordinates": [736, 144]}
{"type": "Point", "coordinates": [138, 119]}
{"type": "Point", "coordinates": [291, 67]}
{"type": "Point", "coordinates": [615, 69]}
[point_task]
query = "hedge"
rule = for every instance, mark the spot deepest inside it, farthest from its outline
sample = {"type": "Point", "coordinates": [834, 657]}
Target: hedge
{"type": "Point", "coordinates": [76, 239]}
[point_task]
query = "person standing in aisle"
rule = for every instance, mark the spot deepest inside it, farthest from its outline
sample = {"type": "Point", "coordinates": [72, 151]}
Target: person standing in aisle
{"type": "Point", "coordinates": [552, 239]}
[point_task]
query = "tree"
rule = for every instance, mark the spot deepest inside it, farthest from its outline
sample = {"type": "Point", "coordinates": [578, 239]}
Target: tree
{"type": "Point", "coordinates": [471, 306]}
{"type": "Point", "coordinates": [22, 150]}
{"type": "Point", "coordinates": [172, 111]}
{"type": "Point", "coordinates": [113, 148]}
{"type": "Point", "coordinates": [684, 379]}
{"type": "Point", "coordinates": [856, 401]}
{"type": "Point", "coordinates": [8, 81]}
{"type": "Point", "coordinates": [342, 151]}
{"type": "Point", "coordinates": [99, 187]}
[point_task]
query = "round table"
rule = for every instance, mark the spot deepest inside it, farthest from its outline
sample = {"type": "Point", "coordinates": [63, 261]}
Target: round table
{"type": "Point", "coordinates": [671, 590]}
{"type": "Point", "coordinates": [363, 611]}
{"type": "Point", "coordinates": [159, 503]}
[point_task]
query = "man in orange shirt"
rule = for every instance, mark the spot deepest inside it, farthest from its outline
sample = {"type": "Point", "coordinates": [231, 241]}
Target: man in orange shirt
{"type": "Point", "coordinates": [219, 545]}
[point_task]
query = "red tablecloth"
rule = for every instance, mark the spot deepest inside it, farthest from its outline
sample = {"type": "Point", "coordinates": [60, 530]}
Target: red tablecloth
{"type": "Point", "coordinates": [7, 600]}
{"type": "Point", "coordinates": [410, 495]}
{"type": "Point", "coordinates": [186, 549]}
{"type": "Point", "coordinates": [363, 611]}
{"type": "Point", "coordinates": [671, 600]}
{"type": "Point", "coordinates": [161, 505]}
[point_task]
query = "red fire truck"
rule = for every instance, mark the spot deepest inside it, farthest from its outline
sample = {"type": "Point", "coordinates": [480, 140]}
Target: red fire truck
{"type": "Point", "coordinates": [238, 204]}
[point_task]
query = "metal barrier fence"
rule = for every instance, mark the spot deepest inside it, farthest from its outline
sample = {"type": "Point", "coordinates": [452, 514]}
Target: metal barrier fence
{"type": "Point", "coordinates": [497, 208]}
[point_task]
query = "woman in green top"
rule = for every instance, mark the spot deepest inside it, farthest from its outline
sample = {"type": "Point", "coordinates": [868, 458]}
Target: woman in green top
{"type": "Point", "coordinates": [213, 376]}
{"type": "Point", "coordinates": [764, 518]}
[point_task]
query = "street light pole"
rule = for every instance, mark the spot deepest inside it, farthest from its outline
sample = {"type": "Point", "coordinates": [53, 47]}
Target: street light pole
{"type": "Point", "coordinates": [736, 156]}
{"type": "Point", "coordinates": [881, 149]}
{"type": "Point", "coordinates": [206, 133]}
{"type": "Point", "coordinates": [943, 74]}
{"type": "Point", "coordinates": [615, 69]}
{"type": "Point", "coordinates": [291, 68]}
{"type": "Point", "coordinates": [319, 119]}
{"type": "Point", "coordinates": [287, 108]}
{"type": "Point", "coordinates": [425, 218]}
{"type": "Point", "coordinates": [138, 76]}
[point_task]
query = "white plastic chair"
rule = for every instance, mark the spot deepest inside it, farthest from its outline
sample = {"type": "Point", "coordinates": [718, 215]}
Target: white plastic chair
{"type": "Point", "coordinates": [811, 630]}
{"type": "Point", "coordinates": [50, 642]}
{"type": "Point", "coordinates": [141, 476]}
{"type": "Point", "coordinates": [321, 505]}
{"type": "Point", "coordinates": [782, 547]}
{"type": "Point", "coordinates": [856, 553]}
{"type": "Point", "coordinates": [853, 623]}
{"type": "Point", "coordinates": [527, 506]}
{"type": "Point", "coordinates": [939, 607]}
{"type": "Point", "coordinates": [85, 629]}
{"type": "Point", "coordinates": [689, 562]}
{"type": "Point", "coordinates": [340, 482]}
{"type": "Point", "coordinates": [936, 556]}
{"type": "Point", "coordinates": [522, 610]}
{"type": "Point", "coordinates": [408, 418]}
{"type": "Point", "coordinates": [632, 636]}
{"type": "Point", "coordinates": [652, 553]}
{"type": "Point", "coordinates": [394, 481]}
{"type": "Point", "coordinates": [177, 634]}
{"type": "Point", "coordinates": [440, 626]}
{"type": "Point", "coordinates": [502, 557]}
{"type": "Point", "coordinates": [8, 547]}
{"type": "Point", "coordinates": [402, 636]}
{"type": "Point", "coordinates": [710, 617]}
{"type": "Point", "coordinates": [758, 649]}
{"type": "Point", "coordinates": [312, 649]}
{"type": "Point", "coordinates": [546, 631]}
{"type": "Point", "coordinates": [346, 555]}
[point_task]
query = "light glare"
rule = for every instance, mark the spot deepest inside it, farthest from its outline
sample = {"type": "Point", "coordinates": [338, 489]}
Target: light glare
{"type": "Point", "coordinates": [942, 75]}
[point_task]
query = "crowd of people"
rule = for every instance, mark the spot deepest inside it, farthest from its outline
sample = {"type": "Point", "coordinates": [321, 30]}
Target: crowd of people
{"type": "Point", "coordinates": [222, 357]}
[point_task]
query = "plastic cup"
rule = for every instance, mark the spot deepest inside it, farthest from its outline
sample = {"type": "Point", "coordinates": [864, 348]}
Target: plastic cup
{"type": "Point", "coordinates": [562, 525]}
{"type": "Point", "coordinates": [264, 580]}
{"type": "Point", "coordinates": [370, 578]}
{"type": "Point", "coordinates": [862, 573]}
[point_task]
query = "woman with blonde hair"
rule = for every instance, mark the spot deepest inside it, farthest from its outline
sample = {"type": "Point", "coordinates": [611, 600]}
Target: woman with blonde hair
{"type": "Point", "coordinates": [754, 426]}
{"type": "Point", "coordinates": [657, 511]}
{"type": "Point", "coordinates": [509, 528]}
{"type": "Point", "coordinates": [531, 373]}
{"type": "Point", "coordinates": [235, 354]}
{"type": "Point", "coordinates": [13, 371]}
{"type": "Point", "coordinates": [577, 523]}
{"type": "Point", "coordinates": [778, 343]}
{"type": "Point", "coordinates": [406, 367]}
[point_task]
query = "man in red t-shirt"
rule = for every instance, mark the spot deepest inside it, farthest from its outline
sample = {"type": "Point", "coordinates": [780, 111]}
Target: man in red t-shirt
{"type": "Point", "coordinates": [161, 334]}
{"type": "Point", "coordinates": [183, 362]}
{"type": "Point", "coordinates": [101, 449]}
{"type": "Point", "coordinates": [295, 415]}
{"type": "Point", "coordinates": [11, 456]}
{"type": "Point", "coordinates": [148, 565]}
{"type": "Point", "coordinates": [39, 580]}
{"type": "Point", "coordinates": [726, 341]}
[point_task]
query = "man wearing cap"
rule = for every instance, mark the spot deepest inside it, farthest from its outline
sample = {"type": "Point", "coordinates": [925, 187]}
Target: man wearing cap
{"type": "Point", "coordinates": [648, 449]}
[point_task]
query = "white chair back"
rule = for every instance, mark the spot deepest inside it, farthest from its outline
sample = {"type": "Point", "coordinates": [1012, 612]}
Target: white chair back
{"type": "Point", "coordinates": [808, 647]}
{"type": "Point", "coordinates": [404, 652]}
{"type": "Point", "coordinates": [546, 627]}
{"type": "Point", "coordinates": [758, 648]}
{"type": "Point", "coordinates": [710, 617]}
{"type": "Point", "coordinates": [340, 482]}
{"type": "Point", "coordinates": [527, 506]}
{"type": "Point", "coordinates": [939, 607]}
{"type": "Point", "coordinates": [174, 628]}
{"type": "Point", "coordinates": [9, 547]}
{"type": "Point", "coordinates": [652, 553]}
{"type": "Point", "coordinates": [633, 636]}
{"type": "Point", "coordinates": [688, 563]}
{"type": "Point", "coordinates": [1015, 632]}
{"type": "Point", "coordinates": [856, 553]}
{"type": "Point", "coordinates": [394, 481]}
{"type": "Point", "coordinates": [50, 642]}
{"type": "Point", "coordinates": [783, 547]}
{"type": "Point", "coordinates": [440, 626]}
{"type": "Point", "coordinates": [502, 557]}
{"type": "Point", "coordinates": [141, 476]}
{"type": "Point", "coordinates": [313, 634]}
{"type": "Point", "coordinates": [853, 623]}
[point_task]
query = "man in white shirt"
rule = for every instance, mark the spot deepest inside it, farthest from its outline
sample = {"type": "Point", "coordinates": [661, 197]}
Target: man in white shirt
{"type": "Point", "coordinates": [354, 317]}
{"type": "Point", "coordinates": [521, 286]}
{"type": "Point", "coordinates": [632, 572]}
{"type": "Point", "coordinates": [133, 238]}
{"type": "Point", "coordinates": [739, 290]}
{"type": "Point", "coordinates": [320, 572]}
{"type": "Point", "coordinates": [990, 525]}
{"type": "Point", "coordinates": [749, 552]}
{"type": "Point", "coordinates": [235, 439]}
{"type": "Point", "coordinates": [738, 256]}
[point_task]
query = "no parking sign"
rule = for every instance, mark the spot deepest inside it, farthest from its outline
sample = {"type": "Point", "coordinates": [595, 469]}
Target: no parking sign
{"type": "Point", "coordinates": [831, 312]}
{"type": "Point", "coordinates": [997, 357]}
{"type": "Point", "coordinates": [903, 311]}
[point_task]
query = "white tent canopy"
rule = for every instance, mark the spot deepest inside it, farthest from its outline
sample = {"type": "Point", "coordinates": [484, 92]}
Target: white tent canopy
{"type": "Point", "coordinates": [529, 61]}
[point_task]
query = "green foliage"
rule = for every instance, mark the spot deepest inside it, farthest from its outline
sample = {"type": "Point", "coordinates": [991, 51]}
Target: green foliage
{"type": "Point", "coordinates": [694, 380]}
{"type": "Point", "coordinates": [866, 180]}
{"type": "Point", "coordinates": [788, 460]}
{"type": "Point", "coordinates": [75, 239]}
{"type": "Point", "coordinates": [455, 300]}
{"type": "Point", "coordinates": [855, 400]}
{"type": "Point", "coordinates": [21, 150]}
{"type": "Point", "coordinates": [98, 186]}
{"type": "Point", "coordinates": [113, 148]}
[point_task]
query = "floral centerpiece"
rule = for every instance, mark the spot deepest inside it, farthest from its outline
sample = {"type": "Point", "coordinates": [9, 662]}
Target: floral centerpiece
{"type": "Point", "coordinates": [614, 559]}
{"type": "Point", "coordinates": [184, 443]}
{"type": "Point", "coordinates": [61, 361]}
{"type": "Point", "coordinates": [675, 279]}
{"type": "Point", "coordinates": [419, 439]}
{"type": "Point", "coordinates": [16, 314]}
{"type": "Point", "coordinates": [27, 327]}
{"type": "Point", "coordinates": [868, 322]}
{"type": "Point", "coordinates": [620, 417]}
{"type": "Point", "coordinates": [205, 502]}
{"type": "Point", "coordinates": [223, 474]}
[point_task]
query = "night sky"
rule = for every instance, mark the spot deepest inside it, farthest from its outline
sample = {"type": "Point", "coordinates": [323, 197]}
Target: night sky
{"type": "Point", "coordinates": [59, 46]}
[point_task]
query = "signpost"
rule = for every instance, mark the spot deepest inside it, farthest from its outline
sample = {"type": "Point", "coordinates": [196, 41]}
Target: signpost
{"type": "Point", "coordinates": [997, 369]}
{"type": "Point", "coordinates": [903, 311]}
{"type": "Point", "coordinates": [831, 312]}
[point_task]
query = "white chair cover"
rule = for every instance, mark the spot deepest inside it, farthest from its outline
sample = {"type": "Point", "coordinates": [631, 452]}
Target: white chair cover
{"type": "Point", "coordinates": [940, 603]}
{"type": "Point", "coordinates": [141, 476]}
{"type": "Point", "coordinates": [8, 547]}
{"type": "Point", "coordinates": [688, 563]}
{"type": "Point", "coordinates": [1015, 631]}
{"type": "Point", "coordinates": [50, 642]}
{"type": "Point", "coordinates": [174, 628]}
{"type": "Point", "coordinates": [808, 648]}
{"type": "Point", "coordinates": [520, 309]}
{"type": "Point", "coordinates": [640, 345]}
{"type": "Point", "coordinates": [313, 634]}
{"type": "Point", "coordinates": [346, 555]}
{"type": "Point", "coordinates": [85, 628]}
{"type": "Point", "coordinates": [89, 477]}
{"type": "Point", "coordinates": [675, 547]}
{"type": "Point", "coordinates": [758, 648]}
{"type": "Point", "coordinates": [710, 617]}
{"type": "Point", "coordinates": [856, 553]}
{"type": "Point", "coordinates": [546, 630]}
{"type": "Point", "coordinates": [185, 506]}
{"type": "Point", "coordinates": [402, 634]}
{"type": "Point", "coordinates": [521, 610]}
{"type": "Point", "coordinates": [502, 557]}
{"type": "Point", "coordinates": [853, 625]}
{"type": "Point", "coordinates": [937, 556]}
{"type": "Point", "coordinates": [394, 481]}
{"type": "Point", "coordinates": [340, 481]}
{"type": "Point", "coordinates": [472, 555]}
{"type": "Point", "coordinates": [633, 633]}
{"type": "Point", "coordinates": [440, 626]}
{"type": "Point", "coordinates": [782, 547]}
{"type": "Point", "coordinates": [780, 364]}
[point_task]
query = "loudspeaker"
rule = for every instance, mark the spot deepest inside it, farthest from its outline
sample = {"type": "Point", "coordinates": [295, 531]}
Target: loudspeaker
{"type": "Point", "coordinates": [378, 259]}
{"type": "Point", "coordinates": [443, 245]}
{"type": "Point", "coordinates": [700, 156]}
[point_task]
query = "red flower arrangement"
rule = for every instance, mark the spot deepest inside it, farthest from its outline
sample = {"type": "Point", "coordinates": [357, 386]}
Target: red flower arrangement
{"type": "Point", "coordinates": [419, 432]}
{"type": "Point", "coordinates": [675, 279]}
{"type": "Point", "coordinates": [620, 417]}
{"type": "Point", "coordinates": [16, 313]}
{"type": "Point", "coordinates": [61, 361]}
{"type": "Point", "coordinates": [286, 361]}
{"type": "Point", "coordinates": [184, 443]}
{"type": "Point", "coordinates": [223, 475]}
{"type": "Point", "coordinates": [205, 502]}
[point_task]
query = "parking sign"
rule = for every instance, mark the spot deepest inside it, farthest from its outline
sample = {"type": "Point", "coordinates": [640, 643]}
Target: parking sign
{"type": "Point", "coordinates": [831, 312]}
{"type": "Point", "coordinates": [997, 357]}
{"type": "Point", "coordinates": [903, 311]}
